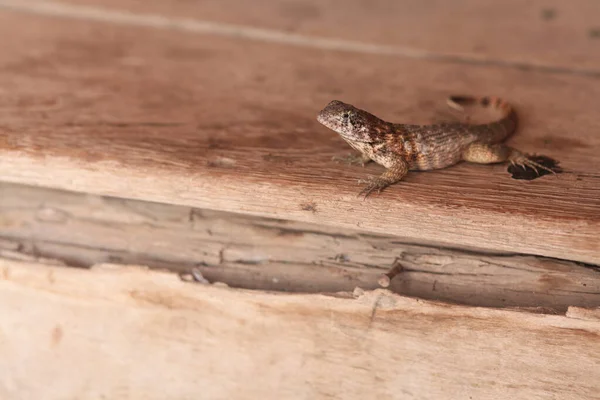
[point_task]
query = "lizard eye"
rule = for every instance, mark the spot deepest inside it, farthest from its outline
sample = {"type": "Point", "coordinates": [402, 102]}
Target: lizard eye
{"type": "Point", "coordinates": [346, 116]}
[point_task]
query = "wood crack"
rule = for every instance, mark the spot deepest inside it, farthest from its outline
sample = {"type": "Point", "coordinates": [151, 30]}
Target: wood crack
{"type": "Point", "coordinates": [277, 255]}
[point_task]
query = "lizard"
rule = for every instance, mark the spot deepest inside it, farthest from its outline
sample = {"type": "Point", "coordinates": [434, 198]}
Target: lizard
{"type": "Point", "coordinates": [401, 148]}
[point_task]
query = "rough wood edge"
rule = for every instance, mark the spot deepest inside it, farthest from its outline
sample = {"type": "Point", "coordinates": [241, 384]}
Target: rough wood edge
{"type": "Point", "coordinates": [503, 232]}
{"type": "Point", "coordinates": [266, 254]}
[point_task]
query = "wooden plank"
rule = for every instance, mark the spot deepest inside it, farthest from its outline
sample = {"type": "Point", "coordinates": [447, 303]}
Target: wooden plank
{"type": "Point", "coordinates": [124, 333]}
{"type": "Point", "coordinates": [229, 125]}
{"type": "Point", "coordinates": [550, 35]}
{"type": "Point", "coordinates": [275, 255]}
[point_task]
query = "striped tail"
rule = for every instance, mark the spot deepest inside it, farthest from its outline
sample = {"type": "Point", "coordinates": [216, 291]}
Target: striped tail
{"type": "Point", "coordinates": [504, 126]}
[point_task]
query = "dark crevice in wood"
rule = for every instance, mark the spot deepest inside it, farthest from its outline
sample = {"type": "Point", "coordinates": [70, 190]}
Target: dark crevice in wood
{"type": "Point", "coordinates": [277, 255]}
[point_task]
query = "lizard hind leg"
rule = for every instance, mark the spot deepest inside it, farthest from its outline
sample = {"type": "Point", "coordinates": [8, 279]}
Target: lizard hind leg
{"type": "Point", "coordinates": [483, 153]}
{"type": "Point", "coordinates": [392, 175]}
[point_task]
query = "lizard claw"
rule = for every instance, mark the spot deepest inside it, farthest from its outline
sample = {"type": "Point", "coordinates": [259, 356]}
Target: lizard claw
{"type": "Point", "coordinates": [524, 162]}
{"type": "Point", "coordinates": [373, 184]}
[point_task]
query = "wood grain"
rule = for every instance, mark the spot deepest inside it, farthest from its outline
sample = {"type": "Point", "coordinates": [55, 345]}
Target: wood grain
{"type": "Point", "coordinates": [223, 124]}
{"type": "Point", "coordinates": [276, 255]}
{"type": "Point", "coordinates": [551, 35]}
{"type": "Point", "coordinates": [124, 333]}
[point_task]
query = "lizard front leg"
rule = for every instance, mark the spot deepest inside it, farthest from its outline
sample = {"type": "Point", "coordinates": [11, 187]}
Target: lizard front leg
{"type": "Point", "coordinates": [360, 159]}
{"type": "Point", "coordinates": [483, 153]}
{"type": "Point", "coordinates": [394, 174]}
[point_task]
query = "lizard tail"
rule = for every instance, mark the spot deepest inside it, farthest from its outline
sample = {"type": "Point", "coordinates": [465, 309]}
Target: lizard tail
{"type": "Point", "coordinates": [508, 119]}
{"type": "Point", "coordinates": [458, 103]}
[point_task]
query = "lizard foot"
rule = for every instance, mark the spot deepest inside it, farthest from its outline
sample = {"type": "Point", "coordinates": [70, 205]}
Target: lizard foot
{"type": "Point", "coordinates": [373, 184]}
{"type": "Point", "coordinates": [522, 161]}
{"type": "Point", "coordinates": [352, 159]}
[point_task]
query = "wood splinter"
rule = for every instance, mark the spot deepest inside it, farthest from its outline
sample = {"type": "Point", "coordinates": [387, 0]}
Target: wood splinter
{"type": "Point", "coordinates": [385, 279]}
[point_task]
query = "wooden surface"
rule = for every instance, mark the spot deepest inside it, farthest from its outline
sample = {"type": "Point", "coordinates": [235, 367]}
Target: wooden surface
{"type": "Point", "coordinates": [551, 35]}
{"type": "Point", "coordinates": [122, 333]}
{"type": "Point", "coordinates": [276, 255]}
{"type": "Point", "coordinates": [153, 110]}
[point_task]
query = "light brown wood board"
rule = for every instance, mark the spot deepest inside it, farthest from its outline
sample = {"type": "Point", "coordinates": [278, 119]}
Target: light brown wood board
{"type": "Point", "coordinates": [550, 35]}
{"type": "Point", "coordinates": [128, 333]}
{"type": "Point", "coordinates": [161, 114]}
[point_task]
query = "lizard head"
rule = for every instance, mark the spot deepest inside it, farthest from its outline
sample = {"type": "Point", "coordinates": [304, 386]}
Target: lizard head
{"type": "Point", "coordinates": [351, 123]}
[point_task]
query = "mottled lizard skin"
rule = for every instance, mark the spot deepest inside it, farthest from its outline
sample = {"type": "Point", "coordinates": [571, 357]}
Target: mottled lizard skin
{"type": "Point", "coordinates": [404, 147]}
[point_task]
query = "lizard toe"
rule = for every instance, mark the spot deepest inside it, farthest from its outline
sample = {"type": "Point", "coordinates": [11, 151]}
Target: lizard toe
{"type": "Point", "coordinates": [525, 162]}
{"type": "Point", "coordinates": [373, 185]}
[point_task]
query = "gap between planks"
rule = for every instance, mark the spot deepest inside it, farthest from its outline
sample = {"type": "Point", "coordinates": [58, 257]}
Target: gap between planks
{"type": "Point", "coordinates": [274, 255]}
{"type": "Point", "coordinates": [122, 17]}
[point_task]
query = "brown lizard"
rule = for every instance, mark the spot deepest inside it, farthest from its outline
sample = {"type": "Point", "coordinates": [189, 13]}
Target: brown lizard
{"type": "Point", "coordinates": [404, 147]}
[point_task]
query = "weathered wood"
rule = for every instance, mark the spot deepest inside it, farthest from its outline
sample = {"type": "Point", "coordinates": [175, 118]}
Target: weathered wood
{"type": "Point", "coordinates": [550, 35]}
{"type": "Point", "coordinates": [124, 333]}
{"type": "Point", "coordinates": [230, 125]}
{"type": "Point", "coordinates": [140, 106]}
{"type": "Point", "coordinates": [267, 254]}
